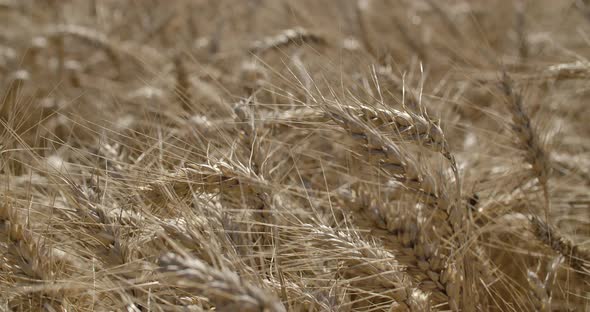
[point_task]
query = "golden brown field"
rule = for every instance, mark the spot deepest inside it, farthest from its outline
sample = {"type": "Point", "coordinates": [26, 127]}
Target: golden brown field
{"type": "Point", "coordinates": [294, 155]}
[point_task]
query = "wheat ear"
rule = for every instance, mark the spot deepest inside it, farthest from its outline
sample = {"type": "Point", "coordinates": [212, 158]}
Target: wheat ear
{"type": "Point", "coordinates": [295, 36]}
{"type": "Point", "coordinates": [377, 140]}
{"type": "Point", "coordinates": [535, 155]}
{"type": "Point", "coordinates": [226, 290]}
{"type": "Point", "coordinates": [364, 260]}
{"type": "Point", "coordinates": [576, 256]}
{"type": "Point", "coordinates": [114, 49]}
{"type": "Point", "coordinates": [541, 290]}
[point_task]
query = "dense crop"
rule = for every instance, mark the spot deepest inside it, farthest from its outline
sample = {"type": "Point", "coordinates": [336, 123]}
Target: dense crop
{"type": "Point", "coordinates": [294, 155]}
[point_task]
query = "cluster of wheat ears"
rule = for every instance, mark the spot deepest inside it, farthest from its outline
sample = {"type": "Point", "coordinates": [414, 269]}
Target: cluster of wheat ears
{"type": "Point", "coordinates": [294, 155]}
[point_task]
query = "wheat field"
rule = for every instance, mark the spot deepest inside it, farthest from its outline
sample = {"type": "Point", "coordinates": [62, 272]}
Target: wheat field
{"type": "Point", "coordinates": [294, 155]}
